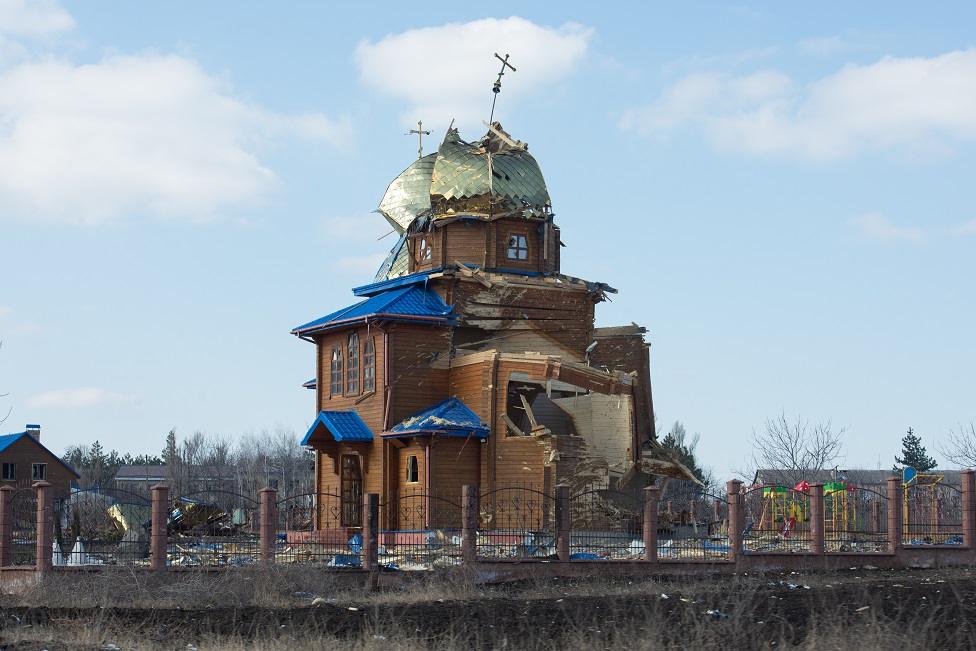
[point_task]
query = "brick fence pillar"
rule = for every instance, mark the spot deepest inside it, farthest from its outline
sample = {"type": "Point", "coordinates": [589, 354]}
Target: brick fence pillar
{"type": "Point", "coordinates": [45, 527]}
{"type": "Point", "coordinates": [968, 488]}
{"type": "Point", "coordinates": [159, 519]}
{"type": "Point", "coordinates": [563, 522]}
{"type": "Point", "coordinates": [733, 489]}
{"type": "Point", "coordinates": [894, 514]}
{"type": "Point", "coordinates": [469, 523]}
{"type": "Point", "coordinates": [817, 519]}
{"type": "Point", "coordinates": [652, 496]}
{"type": "Point", "coordinates": [6, 525]}
{"type": "Point", "coordinates": [371, 531]}
{"type": "Point", "coordinates": [267, 523]}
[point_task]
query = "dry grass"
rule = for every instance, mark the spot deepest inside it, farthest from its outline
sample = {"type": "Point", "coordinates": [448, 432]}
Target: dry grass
{"type": "Point", "coordinates": [271, 609]}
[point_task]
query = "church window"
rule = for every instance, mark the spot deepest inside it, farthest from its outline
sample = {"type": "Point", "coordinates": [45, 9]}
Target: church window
{"type": "Point", "coordinates": [352, 366]}
{"type": "Point", "coordinates": [335, 383]}
{"type": "Point", "coordinates": [413, 469]}
{"type": "Point", "coordinates": [9, 471]}
{"type": "Point", "coordinates": [369, 366]}
{"type": "Point", "coordinates": [423, 249]}
{"type": "Point", "coordinates": [518, 247]}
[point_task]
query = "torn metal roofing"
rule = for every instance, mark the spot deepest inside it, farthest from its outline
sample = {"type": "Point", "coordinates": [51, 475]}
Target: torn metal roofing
{"type": "Point", "coordinates": [397, 263]}
{"type": "Point", "coordinates": [409, 194]}
{"type": "Point", "coordinates": [410, 303]}
{"type": "Point", "coordinates": [418, 278]}
{"type": "Point", "coordinates": [461, 171]}
{"type": "Point", "coordinates": [342, 425]}
{"type": "Point", "coordinates": [311, 384]}
{"type": "Point", "coordinates": [448, 418]}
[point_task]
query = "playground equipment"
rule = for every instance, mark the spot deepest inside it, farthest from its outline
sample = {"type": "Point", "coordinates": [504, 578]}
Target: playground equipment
{"type": "Point", "coordinates": [926, 508]}
{"type": "Point", "coordinates": [782, 510]}
{"type": "Point", "coordinates": [840, 507]}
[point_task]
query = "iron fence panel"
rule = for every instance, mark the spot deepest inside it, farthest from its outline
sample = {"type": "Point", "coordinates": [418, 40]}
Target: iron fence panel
{"type": "Point", "coordinates": [516, 522]}
{"type": "Point", "coordinates": [212, 528]}
{"type": "Point", "coordinates": [101, 527]}
{"type": "Point", "coordinates": [423, 531]}
{"type": "Point", "coordinates": [23, 507]}
{"type": "Point", "coordinates": [313, 528]}
{"type": "Point", "coordinates": [776, 520]}
{"type": "Point", "coordinates": [932, 514]}
{"type": "Point", "coordinates": [698, 531]}
{"type": "Point", "coordinates": [855, 520]}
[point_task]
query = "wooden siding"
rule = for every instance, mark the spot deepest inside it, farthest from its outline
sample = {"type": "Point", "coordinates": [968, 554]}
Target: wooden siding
{"type": "Point", "coordinates": [471, 385]}
{"type": "Point", "coordinates": [414, 383]}
{"type": "Point", "coordinates": [455, 464]}
{"type": "Point", "coordinates": [25, 452]}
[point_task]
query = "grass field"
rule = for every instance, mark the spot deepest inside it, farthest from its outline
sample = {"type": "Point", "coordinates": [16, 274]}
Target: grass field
{"type": "Point", "coordinates": [296, 609]}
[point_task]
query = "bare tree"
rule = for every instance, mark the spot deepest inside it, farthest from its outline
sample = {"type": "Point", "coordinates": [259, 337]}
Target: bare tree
{"type": "Point", "coordinates": [5, 395]}
{"type": "Point", "coordinates": [960, 449]}
{"type": "Point", "coordinates": [794, 449]}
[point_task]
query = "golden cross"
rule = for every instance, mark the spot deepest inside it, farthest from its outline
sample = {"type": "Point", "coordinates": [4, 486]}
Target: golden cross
{"type": "Point", "coordinates": [497, 88]}
{"type": "Point", "coordinates": [420, 137]}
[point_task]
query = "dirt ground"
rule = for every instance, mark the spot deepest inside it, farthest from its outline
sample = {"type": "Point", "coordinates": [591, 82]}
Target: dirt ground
{"type": "Point", "coordinates": [858, 608]}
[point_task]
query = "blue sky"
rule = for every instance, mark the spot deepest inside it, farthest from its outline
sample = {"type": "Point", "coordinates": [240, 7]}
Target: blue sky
{"type": "Point", "coordinates": [783, 195]}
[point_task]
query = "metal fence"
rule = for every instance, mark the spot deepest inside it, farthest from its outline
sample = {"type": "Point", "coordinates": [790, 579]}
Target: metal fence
{"type": "Point", "coordinates": [776, 519]}
{"type": "Point", "coordinates": [315, 528]}
{"type": "Point", "coordinates": [23, 507]}
{"type": "Point", "coordinates": [212, 527]}
{"type": "Point", "coordinates": [423, 531]}
{"type": "Point", "coordinates": [855, 519]}
{"type": "Point", "coordinates": [606, 525]}
{"type": "Point", "coordinates": [101, 527]}
{"type": "Point", "coordinates": [932, 514]}
{"type": "Point", "coordinates": [697, 532]}
{"type": "Point", "coordinates": [516, 522]}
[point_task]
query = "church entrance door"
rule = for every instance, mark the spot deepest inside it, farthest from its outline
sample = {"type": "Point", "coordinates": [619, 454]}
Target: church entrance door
{"type": "Point", "coordinates": [352, 491]}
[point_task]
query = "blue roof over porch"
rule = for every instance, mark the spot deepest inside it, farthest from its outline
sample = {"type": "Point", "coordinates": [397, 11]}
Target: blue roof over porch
{"type": "Point", "coordinates": [448, 418]}
{"type": "Point", "coordinates": [344, 426]}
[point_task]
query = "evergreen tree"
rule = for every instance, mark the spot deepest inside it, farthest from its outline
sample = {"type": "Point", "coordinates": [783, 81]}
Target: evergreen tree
{"type": "Point", "coordinates": [913, 454]}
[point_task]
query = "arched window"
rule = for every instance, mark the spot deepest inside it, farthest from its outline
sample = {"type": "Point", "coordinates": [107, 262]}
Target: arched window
{"type": "Point", "coordinates": [352, 368]}
{"type": "Point", "coordinates": [335, 377]}
{"type": "Point", "coordinates": [369, 366]}
{"type": "Point", "coordinates": [423, 249]}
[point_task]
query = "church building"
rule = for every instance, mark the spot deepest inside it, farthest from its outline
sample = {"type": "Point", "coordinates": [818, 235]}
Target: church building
{"type": "Point", "coordinates": [471, 358]}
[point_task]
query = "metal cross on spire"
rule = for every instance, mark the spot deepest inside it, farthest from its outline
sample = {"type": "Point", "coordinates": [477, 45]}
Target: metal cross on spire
{"type": "Point", "coordinates": [497, 88]}
{"type": "Point", "coordinates": [420, 137]}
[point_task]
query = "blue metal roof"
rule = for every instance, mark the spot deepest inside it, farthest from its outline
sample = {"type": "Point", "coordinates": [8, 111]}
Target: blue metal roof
{"type": "Point", "coordinates": [9, 439]}
{"type": "Point", "coordinates": [410, 303]}
{"type": "Point", "coordinates": [311, 384]}
{"type": "Point", "coordinates": [403, 281]}
{"type": "Point", "coordinates": [449, 418]}
{"type": "Point", "coordinates": [342, 425]}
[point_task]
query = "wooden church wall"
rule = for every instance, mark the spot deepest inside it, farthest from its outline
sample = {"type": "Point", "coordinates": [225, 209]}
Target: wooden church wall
{"type": "Point", "coordinates": [414, 384]}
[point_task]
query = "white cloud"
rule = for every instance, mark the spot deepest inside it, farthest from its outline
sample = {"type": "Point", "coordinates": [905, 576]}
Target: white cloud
{"type": "Point", "coordinates": [148, 134]}
{"type": "Point", "coordinates": [76, 398]}
{"type": "Point", "coordinates": [968, 228]}
{"type": "Point", "coordinates": [920, 103]}
{"type": "Point", "coordinates": [33, 18]}
{"type": "Point", "coordinates": [447, 71]}
{"type": "Point", "coordinates": [878, 227]}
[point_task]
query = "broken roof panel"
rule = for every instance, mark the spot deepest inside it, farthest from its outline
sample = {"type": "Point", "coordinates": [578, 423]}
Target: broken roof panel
{"type": "Point", "coordinates": [342, 425]}
{"type": "Point", "coordinates": [448, 418]}
{"type": "Point", "coordinates": [461, 171]}
{"type": "Point", "coordinates": [410, 303]}
{"type": "Point", "coordinates": [409, 194]}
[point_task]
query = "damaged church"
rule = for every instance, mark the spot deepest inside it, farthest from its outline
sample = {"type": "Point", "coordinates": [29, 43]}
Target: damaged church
{"type": "Point", "coordinates": [471, 359]}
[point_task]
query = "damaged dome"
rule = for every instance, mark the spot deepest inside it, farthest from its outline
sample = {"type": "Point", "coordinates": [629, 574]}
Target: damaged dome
{"type": "Point", "coordinates": [494, 175]}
